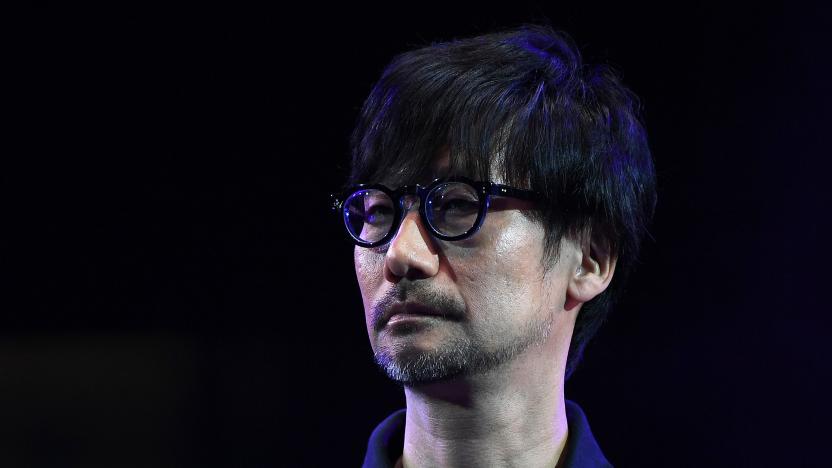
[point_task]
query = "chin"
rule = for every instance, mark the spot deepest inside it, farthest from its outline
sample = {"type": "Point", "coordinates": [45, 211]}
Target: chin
{"type": "Point", "coordinates": [410, 362]}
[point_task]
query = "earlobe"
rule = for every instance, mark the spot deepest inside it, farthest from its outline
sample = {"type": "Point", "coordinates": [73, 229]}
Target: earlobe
{"type": "Point", "coordinates": [592, 275]}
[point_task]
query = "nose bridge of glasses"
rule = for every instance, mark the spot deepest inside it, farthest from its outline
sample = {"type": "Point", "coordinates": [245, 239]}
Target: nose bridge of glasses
{"type": "Point", "coordinates": [410, 197]}
{"type": "Point", "coordinates": [409, 202]}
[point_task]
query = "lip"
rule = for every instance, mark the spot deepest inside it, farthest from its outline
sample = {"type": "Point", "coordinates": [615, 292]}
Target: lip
{"type": "Point", "coordinates": [403, 311]}
{"type": "Point", "coordinates": [403, 318]}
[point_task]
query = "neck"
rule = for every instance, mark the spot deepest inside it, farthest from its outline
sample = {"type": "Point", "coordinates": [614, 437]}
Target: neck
{"type": "Point", "coordinates": [510, 416]}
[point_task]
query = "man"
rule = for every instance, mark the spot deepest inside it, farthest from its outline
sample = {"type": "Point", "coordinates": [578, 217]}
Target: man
{"type": "Point", "coordinates": [499, 192]}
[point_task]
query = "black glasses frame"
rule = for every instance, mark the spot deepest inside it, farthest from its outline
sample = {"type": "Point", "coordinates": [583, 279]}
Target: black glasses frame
{"type": "Point", "coordinates": [485, 190]}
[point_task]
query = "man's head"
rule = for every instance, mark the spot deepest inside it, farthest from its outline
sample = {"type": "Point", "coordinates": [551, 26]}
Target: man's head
{"type": "Point", "coordinates": [517, 108]}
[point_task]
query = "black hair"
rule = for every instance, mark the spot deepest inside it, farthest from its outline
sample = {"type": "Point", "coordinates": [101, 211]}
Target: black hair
{"type": "Point", "coordinates": [522, 103]}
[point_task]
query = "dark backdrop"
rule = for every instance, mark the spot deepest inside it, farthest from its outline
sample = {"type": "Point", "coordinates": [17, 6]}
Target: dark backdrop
{"type": "Point", "coordinates": [176, 294]}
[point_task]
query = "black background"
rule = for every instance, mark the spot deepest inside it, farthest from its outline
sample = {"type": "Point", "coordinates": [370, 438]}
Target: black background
{"type": "Point", "coordinates": [176, 293]}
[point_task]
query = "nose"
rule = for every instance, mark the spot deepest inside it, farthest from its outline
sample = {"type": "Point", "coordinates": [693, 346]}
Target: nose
{"type": "Point", "coordinates": [412, 252]}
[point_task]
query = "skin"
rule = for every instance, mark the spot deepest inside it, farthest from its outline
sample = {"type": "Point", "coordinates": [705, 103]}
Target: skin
{"type": "Point", "coordinates": [513, 412]}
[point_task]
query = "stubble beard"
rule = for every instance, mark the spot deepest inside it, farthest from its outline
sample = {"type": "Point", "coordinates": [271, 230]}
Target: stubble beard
{"type": "Point", "coordinates": [460, 356]}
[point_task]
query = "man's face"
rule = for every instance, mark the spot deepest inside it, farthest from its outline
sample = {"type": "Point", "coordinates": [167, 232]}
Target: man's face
{"type": "Point", "coordinates": [436, 309]}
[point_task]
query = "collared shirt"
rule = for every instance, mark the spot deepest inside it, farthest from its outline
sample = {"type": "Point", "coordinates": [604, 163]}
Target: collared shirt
{"type": "Point", "coordinates": [387, 442]}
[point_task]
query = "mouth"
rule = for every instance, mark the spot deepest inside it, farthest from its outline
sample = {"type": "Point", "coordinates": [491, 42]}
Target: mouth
{"type": "Point", "coordinates": [410, 311]}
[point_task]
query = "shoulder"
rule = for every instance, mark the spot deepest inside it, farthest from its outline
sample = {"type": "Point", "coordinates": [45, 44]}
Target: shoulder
{"type": "Point", "coordinates": [386, 442]}
{"type": "Point", "coordinates": [582, 449]}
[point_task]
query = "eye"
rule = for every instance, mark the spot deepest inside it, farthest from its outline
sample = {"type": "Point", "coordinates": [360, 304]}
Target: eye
{"type": "Point", "coordinates": [455, 200]}
{"type": "Point", "coordinates": [377, 210]}
{"type": "Point", "coordinates": [453, 208]}
{"type": "Point", "coordinates": [457, 206]}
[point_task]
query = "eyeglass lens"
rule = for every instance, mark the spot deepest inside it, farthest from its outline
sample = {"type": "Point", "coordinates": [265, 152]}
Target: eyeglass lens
{"type": "Point", "coordinates": [451, 208]}
{"type": "Point", "coordinates": [369, 215]}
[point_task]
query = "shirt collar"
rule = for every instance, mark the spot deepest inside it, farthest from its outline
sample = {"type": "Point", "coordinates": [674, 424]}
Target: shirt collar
{"type": "Point", "coordinates": [582, 451]}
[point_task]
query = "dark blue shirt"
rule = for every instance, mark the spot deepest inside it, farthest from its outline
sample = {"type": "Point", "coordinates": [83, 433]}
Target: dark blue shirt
{"type": "Point", "coordinates": [387, 442]}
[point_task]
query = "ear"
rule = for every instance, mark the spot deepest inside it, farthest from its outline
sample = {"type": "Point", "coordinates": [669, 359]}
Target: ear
{"type": "Point", "coordinates": [593, 273]}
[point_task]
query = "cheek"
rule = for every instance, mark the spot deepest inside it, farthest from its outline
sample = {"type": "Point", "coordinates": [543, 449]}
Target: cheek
{"type": "Point", "coordinates": [523, 246]}
{"type": "Point", "coordinates": [369, 270]}
{"type": "Point", "coordinates": [509, 275]}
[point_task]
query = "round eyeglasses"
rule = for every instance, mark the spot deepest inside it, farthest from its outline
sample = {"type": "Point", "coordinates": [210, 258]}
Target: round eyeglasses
{"type": "Point", "coordinates": [451, 208]}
